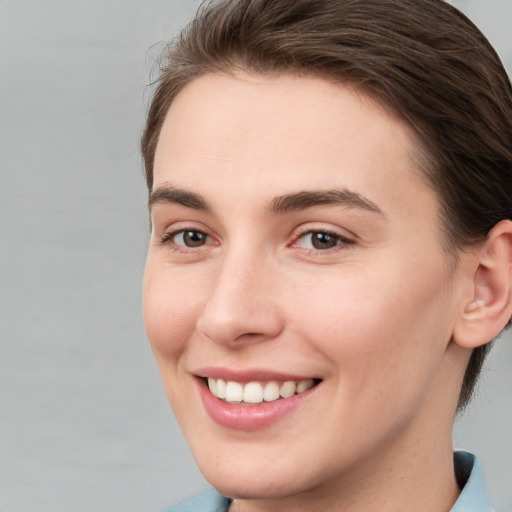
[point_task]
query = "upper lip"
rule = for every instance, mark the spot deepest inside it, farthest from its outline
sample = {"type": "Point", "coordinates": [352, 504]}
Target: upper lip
{"type": "Point", "coordinates": [248, 375]}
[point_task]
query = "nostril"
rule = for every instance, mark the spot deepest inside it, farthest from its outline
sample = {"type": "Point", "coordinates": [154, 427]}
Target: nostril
{"type": "Point", "coordinates": [250, 335]}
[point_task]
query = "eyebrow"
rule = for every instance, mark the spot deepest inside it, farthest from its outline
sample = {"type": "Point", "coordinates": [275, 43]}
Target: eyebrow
{"type": "Point", "coordinates": [172, 195]}
{"type": "Point", "coordinates": [279, 205]}
{"type": "Point", "coordinates": [310, 199]}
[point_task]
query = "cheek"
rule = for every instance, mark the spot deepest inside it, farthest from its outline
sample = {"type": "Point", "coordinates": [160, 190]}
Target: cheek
{"type": "Point", "coordinates": [169, 314]}
{"type": "Point", "coordinates": [387, 332]}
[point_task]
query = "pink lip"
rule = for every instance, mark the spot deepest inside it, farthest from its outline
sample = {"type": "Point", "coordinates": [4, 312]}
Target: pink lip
{"type": "Point", "coordinates": [249, 417]}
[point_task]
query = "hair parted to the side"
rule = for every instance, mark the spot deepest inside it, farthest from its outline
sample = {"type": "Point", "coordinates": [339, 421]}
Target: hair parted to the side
{"type": "Point", "coordinates": [422, 58]}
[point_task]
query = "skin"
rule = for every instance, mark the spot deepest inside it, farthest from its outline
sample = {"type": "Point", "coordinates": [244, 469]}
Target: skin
{"type": "Point", "coordinates": [372, 317]}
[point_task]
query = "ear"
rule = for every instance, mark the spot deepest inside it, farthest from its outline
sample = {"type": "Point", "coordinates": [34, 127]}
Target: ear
{"type": "Point", "coordinates": [489, 308]}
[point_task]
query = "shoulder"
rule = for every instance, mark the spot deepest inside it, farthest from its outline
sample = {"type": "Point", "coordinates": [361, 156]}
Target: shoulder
{"type": "Point", "coordinates": [207, 501]}
{"type": "Point", "coordinates": [474, 496]}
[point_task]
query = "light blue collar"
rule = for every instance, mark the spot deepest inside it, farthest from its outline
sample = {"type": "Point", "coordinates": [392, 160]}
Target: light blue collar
{"type": "Point", "coordinates": [474, 496]}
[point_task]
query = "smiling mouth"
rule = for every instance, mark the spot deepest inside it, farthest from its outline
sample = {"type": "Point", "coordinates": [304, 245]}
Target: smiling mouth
{"type": "Point", "coordinates": [254, 393]}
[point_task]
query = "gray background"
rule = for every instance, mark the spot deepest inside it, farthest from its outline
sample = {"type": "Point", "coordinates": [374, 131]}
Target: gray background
{"type": "Point", "coordinates": [84, 423]}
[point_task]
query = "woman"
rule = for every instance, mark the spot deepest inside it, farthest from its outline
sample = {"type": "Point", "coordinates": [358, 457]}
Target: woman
{"type": "Point", "coordinates": [330, 188]}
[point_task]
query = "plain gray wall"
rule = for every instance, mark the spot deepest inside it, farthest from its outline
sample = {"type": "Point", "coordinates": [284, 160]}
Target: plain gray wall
{"type": "Point", "coordinates": [84, 421]}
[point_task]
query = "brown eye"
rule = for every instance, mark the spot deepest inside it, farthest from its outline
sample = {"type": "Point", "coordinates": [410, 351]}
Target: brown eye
{"type": "Point", "coordinates": [190, 238]}
{"type": "Point", "coordinates": [321, 240]}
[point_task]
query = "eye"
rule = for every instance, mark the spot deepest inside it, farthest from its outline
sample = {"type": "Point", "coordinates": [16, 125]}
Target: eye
{"type": "Point", "coordinates": [321, 240]}
{"type": "Point", "coordinates": [190, 238]}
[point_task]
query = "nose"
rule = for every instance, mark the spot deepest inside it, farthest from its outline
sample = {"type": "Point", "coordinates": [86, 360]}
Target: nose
{"type": "Point", "coordinates": [241, 307]}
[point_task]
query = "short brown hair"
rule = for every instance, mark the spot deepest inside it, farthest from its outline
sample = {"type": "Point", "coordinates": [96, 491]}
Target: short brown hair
{"type": "Point", "coordinates": [422, 58]}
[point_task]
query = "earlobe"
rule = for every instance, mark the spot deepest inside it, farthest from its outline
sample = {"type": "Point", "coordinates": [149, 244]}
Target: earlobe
{"type": "Point", "coordinates": [489, 309]}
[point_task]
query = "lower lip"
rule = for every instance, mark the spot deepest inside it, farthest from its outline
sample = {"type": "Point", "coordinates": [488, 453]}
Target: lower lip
{"type": "Point", "coordinates": [249, 417]}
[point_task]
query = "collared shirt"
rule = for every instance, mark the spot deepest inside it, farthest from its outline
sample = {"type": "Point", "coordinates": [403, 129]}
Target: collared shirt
{"type": "Point", "coordinates": [474, 496]}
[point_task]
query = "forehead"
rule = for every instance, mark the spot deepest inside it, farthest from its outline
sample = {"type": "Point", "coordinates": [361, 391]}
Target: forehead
{"type": "Point", "coordinates": [272, 135]}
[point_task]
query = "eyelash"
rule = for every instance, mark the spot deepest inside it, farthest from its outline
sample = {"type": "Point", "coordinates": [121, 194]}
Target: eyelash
{"type": "Point", "coordinates": [341, 241]}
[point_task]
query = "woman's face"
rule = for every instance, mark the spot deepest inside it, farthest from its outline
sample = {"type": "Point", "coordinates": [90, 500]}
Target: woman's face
{"type": "Point", "coordinates": [294, 241]}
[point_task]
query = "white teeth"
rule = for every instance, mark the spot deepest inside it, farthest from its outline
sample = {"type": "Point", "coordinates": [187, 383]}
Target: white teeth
{"type": "Point", "coordinates": [212, 384]}
{"type": "Point", "coordinates": [256, 392]}
{"type": "Point", "coordinates": [303, 385]}
{"type": "Point", "coordinates": [271, 391]}
{"type": "Point", "coordinates": [253, 393]}
{"type": "Point", "coordinates": [234, 391]}
{"type": "Point", "coordinates": [220, 389]}
{"type": "Point", "coordinates": [287, 389]}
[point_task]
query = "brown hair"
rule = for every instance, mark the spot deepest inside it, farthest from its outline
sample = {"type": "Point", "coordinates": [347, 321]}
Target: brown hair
{"type": "Point", "coordinates": [422, 58]}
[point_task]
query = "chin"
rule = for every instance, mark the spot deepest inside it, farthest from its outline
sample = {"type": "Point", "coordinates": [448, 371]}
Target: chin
{"type": "Point", "coordinates": [260, 478]}
{"type": "Point", "coordinates": [246, 487]}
